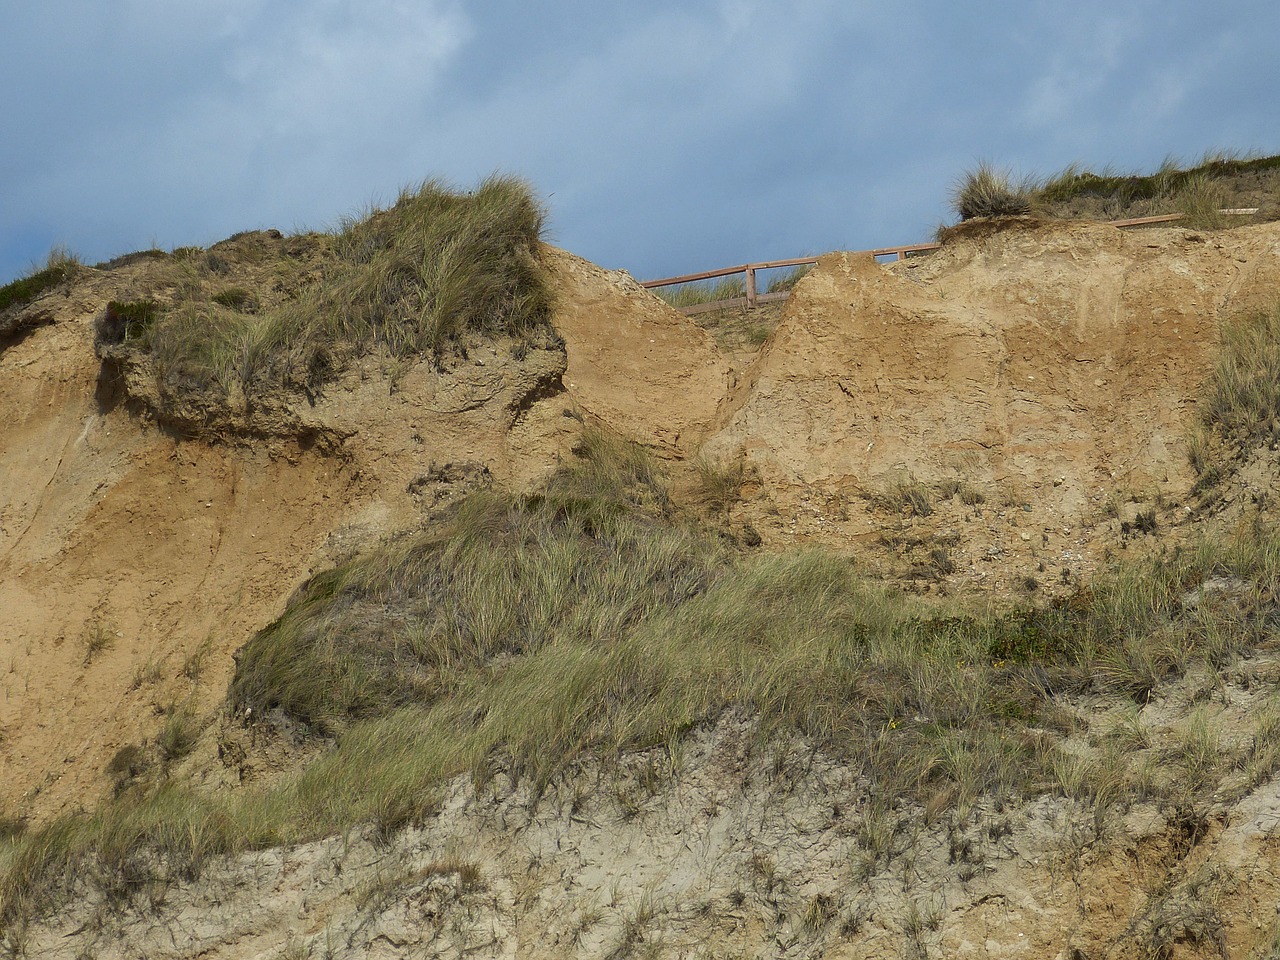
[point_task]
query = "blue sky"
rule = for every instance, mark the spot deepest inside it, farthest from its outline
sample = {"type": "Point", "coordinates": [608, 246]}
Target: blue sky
{"type": "Point", "coordinates": [665, 137]}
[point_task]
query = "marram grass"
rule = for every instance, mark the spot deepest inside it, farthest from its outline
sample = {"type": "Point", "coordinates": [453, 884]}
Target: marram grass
{"type": "Point", "coordinates": [407, 280]}
{"type": "Point", "coordinates": [589, 620]}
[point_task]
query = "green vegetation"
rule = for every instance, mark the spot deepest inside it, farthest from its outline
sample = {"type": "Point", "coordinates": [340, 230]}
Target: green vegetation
{"type": "Point", "coordinates": [712, 291]}
{"type": "Point", "coordinates": [990, 192]}
{"type": "Point", "coordinates": [907, 495]}
{"type": "Point", "coordinates": [179, 734]}
{"type": "Point", "coordinates": [788, 280]}
{"type": "Point", "coordinates": [59, 268]}
{"type": "Point", "coordinates": [1197, 192]}
{"type": "Point", "coordinates": [99, 637]}
{"type": "Point", "coordinates": [1242, 400]}
{"type": "Point", "coordinates": [407, 280]}
{"type": "Point", "coordinates": [725, 288]}
{"type": "Point", "coordinates": [1200, 199]}
{"type": "Point", "coordinates": [590, 620]}
{"type": "Point", "coordinates": [505, 579]}
{"type": "Point", "coordinates": [237, 298]}
{"type": "Point", "coordinates": [1168, 180]}
{"type": "Point", "coordinates": [125, 322]}
{"type": "Point", "coordinates": [1240, 408]}
{"type": "Point", "coordinates": [721, 481]}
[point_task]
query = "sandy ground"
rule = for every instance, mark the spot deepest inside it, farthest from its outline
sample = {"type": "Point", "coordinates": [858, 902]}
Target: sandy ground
{"type": "Point", "coordinates": [1053, 368]}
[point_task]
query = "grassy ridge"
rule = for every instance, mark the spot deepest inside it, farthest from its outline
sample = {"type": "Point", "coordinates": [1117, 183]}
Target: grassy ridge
{"type": "Point", "coordinates": [1197, 192]}
{"type": "Point", "coordinates": [1170, 179]}
{"type": "Point", "coordinates": [59, 268]}
{"type": "Point", "coordinates": [406, 280]}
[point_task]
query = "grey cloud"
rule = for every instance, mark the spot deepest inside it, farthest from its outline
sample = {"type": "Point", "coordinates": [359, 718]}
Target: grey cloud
{"type": "Point", "coordinates": [668, 135]}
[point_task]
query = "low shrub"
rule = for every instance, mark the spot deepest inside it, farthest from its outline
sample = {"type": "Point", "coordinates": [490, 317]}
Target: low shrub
{"type": "Point", "coordinates": [990, 192]}
{"type": "Point", "coordinates": [125, 322]}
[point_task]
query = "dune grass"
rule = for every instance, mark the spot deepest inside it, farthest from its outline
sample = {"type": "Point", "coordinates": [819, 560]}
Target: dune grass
{"type": "Point", "coordinates": [987, 191]}
{"type": "Point", "coordinates": [726, 288]}
{"type": "Point", "coordinates": [1239, 410]}
{"type": "Point", "coordinates": [1242, 399]}
{"type": "Point", "coordinates": [535, 633]}
{"type": "Point", "coordinates": [1171, 177]}
{"type": "Point", "coordinates": [579, 564]}
{"type": "Point", "coordinates": [60, 267]}
{"type": "Point", "coordinates": [407, 280]}
{"type": "Point", "coordinates": [1198, 191]}
{"type": "Point", "coordinates": [710, 291]}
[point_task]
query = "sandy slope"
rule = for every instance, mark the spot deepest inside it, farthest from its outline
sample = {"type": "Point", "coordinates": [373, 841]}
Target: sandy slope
{"type": "Point", "coordinates": [174, 551]}
{"type": "Point", "coordinates": [1053, 367]}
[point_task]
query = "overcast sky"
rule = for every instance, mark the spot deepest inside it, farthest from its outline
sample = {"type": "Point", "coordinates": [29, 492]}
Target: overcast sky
{"type": "Point", "coordinates": [665, 137]}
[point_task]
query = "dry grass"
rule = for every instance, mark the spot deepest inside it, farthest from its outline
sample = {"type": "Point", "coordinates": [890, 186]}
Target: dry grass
{"type": "Point", "coordinates": [787, 280]}
{"type": "Point", "coordinates": [1195, 190]}
{"type": "Point", "coordinates": [408, 280]}
{"type": "Point", "coordinates": [727, 288]}
{"type": "Point", "coordinates": [589, 621]}
{"type": "Point", "coordinates": [1200, 199]}
{"type": "Point", "coordinates": [60, 267]}
{"type": "Point", "coordinates": [905, 495]}
{"type": "Point", "coordinates": [711, 291]}
{"type": "Point", "coordinates": [1242, 401]}
{"type": "Point", "coordinates": [721, 481]}
{"type": "Point", "coordinates": [990, 192]}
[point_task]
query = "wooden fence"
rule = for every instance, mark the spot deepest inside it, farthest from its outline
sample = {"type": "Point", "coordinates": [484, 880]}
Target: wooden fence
{"type": "Point", "coordinates": [754, 298]}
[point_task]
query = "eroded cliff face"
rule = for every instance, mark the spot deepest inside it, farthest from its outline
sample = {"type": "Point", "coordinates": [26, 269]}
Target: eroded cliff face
{"type": "Point", "coordinates": [1068, 353]}
{"type": "Point", "coordinates": [1051, 371]}
{"type": "Point", "coordinates": [727, 849]}
{"type": "Point", "coordinates": [144, 539]}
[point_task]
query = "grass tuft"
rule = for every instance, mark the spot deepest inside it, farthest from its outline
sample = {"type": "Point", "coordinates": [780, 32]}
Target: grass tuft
{"type": "Point", "coordinates": [60, 267]}
{"type": "Point", "coordinates": [905, 495]}
{"type": "Point", "coordinates": [990, 192]}
{"type": "Point", "coordinates": [1200, 199]}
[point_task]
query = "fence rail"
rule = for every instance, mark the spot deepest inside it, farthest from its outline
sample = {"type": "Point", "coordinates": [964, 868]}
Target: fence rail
{"type": "Point", "coordinates": [901, 252]}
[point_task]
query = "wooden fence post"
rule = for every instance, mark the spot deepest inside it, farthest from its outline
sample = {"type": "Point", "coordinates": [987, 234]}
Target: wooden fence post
{"type": "Point", "coordinates": [751, 287]}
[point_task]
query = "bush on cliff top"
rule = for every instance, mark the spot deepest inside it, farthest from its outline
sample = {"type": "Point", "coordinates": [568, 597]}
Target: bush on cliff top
{"type": "Point", "coordinates": [406, 280]}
